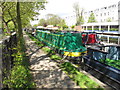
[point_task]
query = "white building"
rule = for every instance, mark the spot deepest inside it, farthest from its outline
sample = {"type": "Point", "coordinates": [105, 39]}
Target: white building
{"type": "Point", "coordinates": [70, 19]}
{"type": "Point", "coordinates": [103, 14]}
{"type": "Point", "coordinates": [119, 20]}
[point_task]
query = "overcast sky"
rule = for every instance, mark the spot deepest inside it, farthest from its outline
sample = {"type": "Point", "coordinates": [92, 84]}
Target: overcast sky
{"type": "Point", "coordinates": [64, 8]}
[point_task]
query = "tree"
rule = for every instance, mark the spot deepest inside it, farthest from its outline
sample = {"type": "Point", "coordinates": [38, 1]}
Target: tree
{"type": "Point", "coordinates": [92, 18]}
{"type": "Point", "coordinates": [42, 22]}
{"type": "Point", "coordinates": [73, 26]}
{"type": "Point", "coordinates": [28, 11]}
{"type": "Point", "coordinates": [79, 14]}
{"type": "Point", "coordinates": [19, 25]}
{"type": "Point", "coordinates": [18, 14]}
{"type": "Point", "coordinates": [35, 25]}
{"type": "Point", "coordinates": [51, 19]}
{"type": "Point", "coordinates": [109, 19]}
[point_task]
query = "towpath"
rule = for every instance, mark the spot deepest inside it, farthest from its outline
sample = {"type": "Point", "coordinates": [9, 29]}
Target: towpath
{"type": "Point", "coordinates": [46, 73]}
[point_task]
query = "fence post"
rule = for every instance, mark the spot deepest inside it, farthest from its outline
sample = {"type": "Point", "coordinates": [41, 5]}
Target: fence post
{"type": "Point", "coordinates": [1, 85]}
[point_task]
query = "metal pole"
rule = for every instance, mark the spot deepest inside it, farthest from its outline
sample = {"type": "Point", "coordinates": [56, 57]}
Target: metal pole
{"type": "Point", "coordinates": [108, 40]}
{"type": "Point", "coordinates": [119, 21]}
{"type": "Point", "coordinates": [92, 28]}
{"type": "Point", "coordinates": [86, 27]}
{"type": "Point", "coordinates": [99, 27]}
{"type": "Point", "coordinates": [108, 28]}
{"type": "Point", "coordinates": [119, 33]}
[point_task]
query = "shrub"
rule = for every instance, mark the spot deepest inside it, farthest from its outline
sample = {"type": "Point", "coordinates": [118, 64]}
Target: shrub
{"type": "Point", "coordinates": [82, 80]}
{"type": "Point", "coordinates": [55, 57]}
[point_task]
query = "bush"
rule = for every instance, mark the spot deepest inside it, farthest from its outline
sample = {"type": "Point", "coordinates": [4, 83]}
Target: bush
{"type": "Point", "coordinates": [55, 57]}
{"type": "Point", "coordinates": [20, 76]}
{"type": "Point", "coordinates": [46, 49]}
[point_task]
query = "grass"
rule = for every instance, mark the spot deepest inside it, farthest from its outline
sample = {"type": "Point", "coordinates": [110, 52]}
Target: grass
{"type": "Point", "coordinates": [52, 54]}
{"type": "Point", "coordinates": [55, 57]}
{"type": "Point", "coordinates": [46, 49]}
{"type": "Point", "coordinates": [81, 79]}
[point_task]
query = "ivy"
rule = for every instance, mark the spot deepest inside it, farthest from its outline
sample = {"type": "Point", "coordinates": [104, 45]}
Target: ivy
{"type": "Point", "coordinates": [20, 76]}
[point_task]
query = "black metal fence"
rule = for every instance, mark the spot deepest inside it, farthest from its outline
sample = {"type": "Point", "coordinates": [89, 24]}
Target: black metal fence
{"type": "Point", "coordinates": [104, 65]}
{"type": "Point", "coordinates": [7, 46]}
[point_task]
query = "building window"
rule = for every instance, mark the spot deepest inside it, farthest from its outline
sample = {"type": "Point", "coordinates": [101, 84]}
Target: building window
{"type": "Point", "coordinates": [112, 18]}
{"type": "Point", "coordinates": [105, 7]}
{"type": "Point", "coordinates": [104, 14]}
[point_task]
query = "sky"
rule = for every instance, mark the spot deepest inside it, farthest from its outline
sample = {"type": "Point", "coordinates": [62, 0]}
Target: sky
{"type": "Point", "coordinates": [64, 8]}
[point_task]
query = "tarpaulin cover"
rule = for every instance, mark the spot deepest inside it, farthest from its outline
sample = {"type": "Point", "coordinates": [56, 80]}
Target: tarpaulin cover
{"type": "Point", "coordinates": [89, 38]}
{"type": "Point", "coordinates": [71, 42]}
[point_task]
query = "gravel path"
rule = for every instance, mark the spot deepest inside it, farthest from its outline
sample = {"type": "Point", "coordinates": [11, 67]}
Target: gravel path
{"type": "Point", "coordinates": [46, 73]}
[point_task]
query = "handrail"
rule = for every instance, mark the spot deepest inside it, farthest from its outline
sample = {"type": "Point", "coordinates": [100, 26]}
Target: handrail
{"type": "Point", "coordinates": [7, 37]}
{"type": "Point", "coordinates": [109, 34]}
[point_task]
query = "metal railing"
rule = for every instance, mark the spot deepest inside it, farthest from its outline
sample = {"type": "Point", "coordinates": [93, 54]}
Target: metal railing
{"type": "Point", "coordinates": [6, 61]}
{"type": "Point", "coordinates": [109, 38]}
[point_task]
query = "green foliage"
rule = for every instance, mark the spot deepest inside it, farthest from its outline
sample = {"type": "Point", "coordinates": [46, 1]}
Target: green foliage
{"type": "Point", "coordinates": [35, 25]}
{"type": "Point", "coordinates": [54, 20]}
{"type": "Point", "coordinates": [28, 10]}
{"type": "Point", "coordinates": [55, 57]}
{"type": "Point", "coordinates": [113, 63]}
{"type": "Point", "coordinates": [108, 20]}
{"type": "Point", "coordinates": [36, 40]}
{"type": "Point", "coordinates": [11, 25]}
{"type": "Point", "coordinates": [79, 13]}
{"type": "Point", "coordinates": [73, 26]}
{"type": "Point", "coordinates": [92, 18]}
{"type": "Point", "coordinates": [114, 29]}
{"type": "Point", "coordinates": [46, 49]}
{"type": "Point", "coordinates": [42, 22]}
{"type": "Point", "coordinates": [64, 26]}
{"type": "Point", "coordinates": [81, 20]}
{"type": "Point", "coordinates": [20, 76]}
{"type": "Point", "coordinates": [111, 29]}
{"type": "Point", "coordinates": [89, 28]}
{"type": "Point", "coordinates": [81, 79]}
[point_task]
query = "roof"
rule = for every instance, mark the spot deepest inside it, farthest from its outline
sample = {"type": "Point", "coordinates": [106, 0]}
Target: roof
{"type": "Point", "coordinates": [49, 26]}
{"type": "Point", "coordinates": [39, 26]}
{"type": "Point", "coordinates": [98, 24]}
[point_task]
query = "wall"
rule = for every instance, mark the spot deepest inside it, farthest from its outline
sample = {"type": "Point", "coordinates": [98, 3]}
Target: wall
{"type": "Point", "coordinates": [102, 14]}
